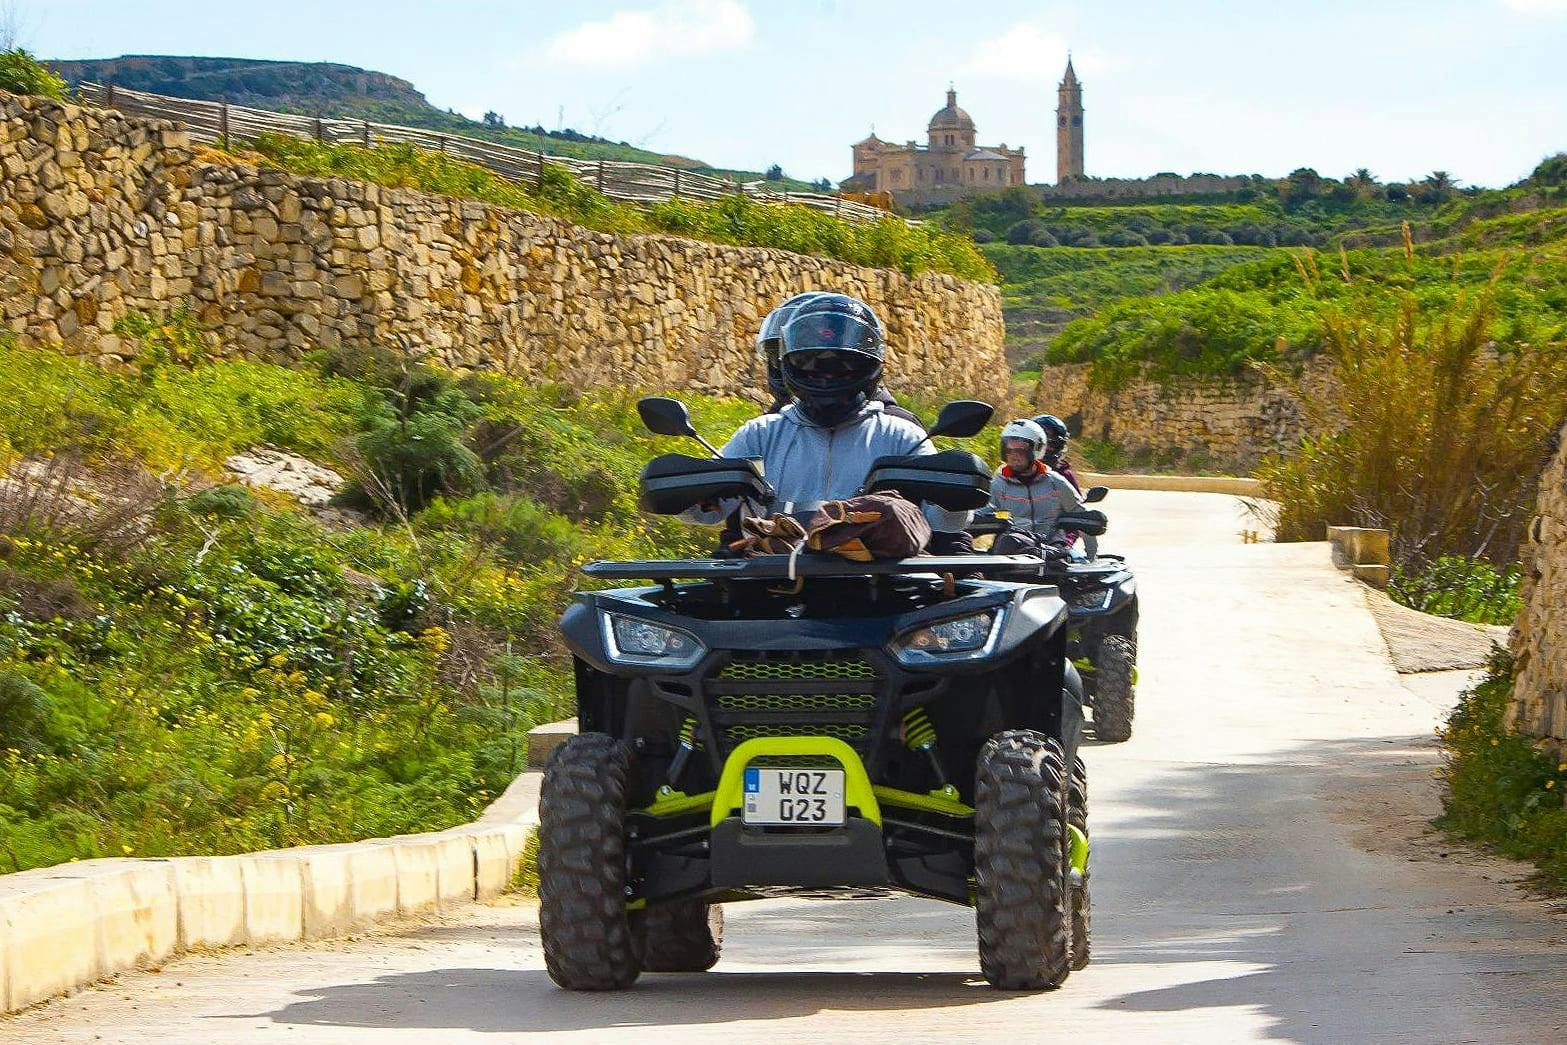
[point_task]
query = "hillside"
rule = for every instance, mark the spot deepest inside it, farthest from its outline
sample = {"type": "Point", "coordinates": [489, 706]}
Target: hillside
{"type": "Point", "coordinates": [329, 89]}
{"type": "Point", "coordinates": [1068, 268]}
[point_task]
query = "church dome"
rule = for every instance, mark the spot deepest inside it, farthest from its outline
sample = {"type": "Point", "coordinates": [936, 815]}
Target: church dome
{"type": "Point", "coordinates": [951, 117]}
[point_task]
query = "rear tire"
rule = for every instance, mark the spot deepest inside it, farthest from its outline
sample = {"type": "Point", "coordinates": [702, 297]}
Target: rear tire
{"type": "Point", "coordinates": [588, 941]}
{"type": "Point", "coordinates": [1020, 861]}
{"type": "Point", "coordinates": [1114, 692]}
{"type": "Point", "coordinates": [684, 936]}
{"type": "Point", "coordinates": [1082, 904]}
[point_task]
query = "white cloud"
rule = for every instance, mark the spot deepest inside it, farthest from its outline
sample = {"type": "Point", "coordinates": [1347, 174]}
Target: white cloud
{"type": "Point", "coordinates": [674, 29]}
{"type": "Point", "coordinates": [1028, 53]}
{"type": "Point", "coordinates": [1536, 7]}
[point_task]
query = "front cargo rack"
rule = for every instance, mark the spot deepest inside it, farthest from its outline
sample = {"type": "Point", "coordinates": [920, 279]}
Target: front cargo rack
{"type": "Point", "coordinates": [810, 564]}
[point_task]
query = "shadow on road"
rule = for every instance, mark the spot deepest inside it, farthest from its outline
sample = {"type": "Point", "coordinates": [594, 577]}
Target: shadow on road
{"type": "Point", "coordinates": [1227, 895]}
{"type": "Point", "coordinates": [517, 1001]}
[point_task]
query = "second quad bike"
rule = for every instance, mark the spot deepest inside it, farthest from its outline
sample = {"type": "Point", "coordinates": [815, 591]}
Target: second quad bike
{"type": "Point", "coordinates": [1101, 595]}
{"type": "Point", "coordinates": [808, 725]}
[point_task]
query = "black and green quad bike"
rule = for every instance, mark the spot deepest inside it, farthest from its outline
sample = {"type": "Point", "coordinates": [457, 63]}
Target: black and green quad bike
{"type": "Point", "coordinates": [808, 725]}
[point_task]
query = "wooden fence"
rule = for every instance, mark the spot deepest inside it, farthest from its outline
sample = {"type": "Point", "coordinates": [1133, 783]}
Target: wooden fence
{"type": "Point", "coordinates": [218, 123]}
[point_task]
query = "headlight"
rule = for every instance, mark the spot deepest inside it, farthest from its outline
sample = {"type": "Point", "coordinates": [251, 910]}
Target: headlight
{"type": "Point", "coordinates": [961, 638]}
{"type": "Point", "coordinates": [632, 640]}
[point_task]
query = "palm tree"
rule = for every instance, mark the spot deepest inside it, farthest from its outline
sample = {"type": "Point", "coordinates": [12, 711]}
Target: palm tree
{"type": "Point", "coordinates": [1363, 180]}
{"type": "Point", "coordinates": [1441, 181]}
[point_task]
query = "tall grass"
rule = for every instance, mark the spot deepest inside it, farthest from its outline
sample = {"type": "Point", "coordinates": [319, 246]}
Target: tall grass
{"type": "Point", "coordinates": [1432, 428]}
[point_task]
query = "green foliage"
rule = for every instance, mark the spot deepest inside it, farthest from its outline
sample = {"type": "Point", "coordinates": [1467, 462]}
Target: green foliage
{"type": "Point", "coordinates": [1471, 590]}
{"type": "Point", "coordinates": [407, 166]}
{"type": "Point", "coordinates": [21, 73]}
{"type": "Point", "coordinates": [239, 676]}
{"type": "Point", "coordinates": [169, 417]}
{"type": "Point", "coordinates": [1275, 309]}
{"type": "Point", "coordinates": [1084, 280]}
{"type": "Point", "coordinates": [163, 338]}
{"type": "Point", "coordinates": [1501, 791]}
{"type": "Point", "coordinates": [888, 243]}
{"type": "Point", "coordinates": [1436, 428]}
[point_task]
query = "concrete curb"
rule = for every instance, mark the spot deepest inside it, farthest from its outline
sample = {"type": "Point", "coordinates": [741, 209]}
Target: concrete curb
{"type": "Point", "coordinates": [1237, 486]}
{"type": "Point", "coordinates": [66, 926]}
{"type": "Point", "coordinates": [1363, 551]}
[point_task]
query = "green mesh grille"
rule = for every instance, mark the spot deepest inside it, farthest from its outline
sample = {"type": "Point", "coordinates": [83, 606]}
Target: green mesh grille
{"type": "Point", "coordinates": [795, 702]}
{"type": "Point", "coordinates": [793, 761]}
{"type": "Point", "coordinates": [849, 734]}
{"type": "Point", "coordinates": [796, 670]}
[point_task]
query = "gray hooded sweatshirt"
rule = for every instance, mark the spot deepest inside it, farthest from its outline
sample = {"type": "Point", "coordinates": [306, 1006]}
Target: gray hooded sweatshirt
{"type": "Point", "coordinates": [808, 464]}
{"type": "Point", "coordinates": [1036, 502]}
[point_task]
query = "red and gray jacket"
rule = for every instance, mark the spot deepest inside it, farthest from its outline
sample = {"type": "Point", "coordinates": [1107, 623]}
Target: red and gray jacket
{"type": "Point", "coordinates": [1035, 502]}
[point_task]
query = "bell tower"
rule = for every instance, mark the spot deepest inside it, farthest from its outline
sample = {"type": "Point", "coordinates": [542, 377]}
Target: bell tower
{"type": "Point", "coordinates": [1069, 126]}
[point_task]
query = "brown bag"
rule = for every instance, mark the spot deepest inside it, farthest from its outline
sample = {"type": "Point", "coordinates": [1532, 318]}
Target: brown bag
{"type": "Point", "coordinates": [875, 526]}
{"type": "Point", "coordinates": [863, 529]}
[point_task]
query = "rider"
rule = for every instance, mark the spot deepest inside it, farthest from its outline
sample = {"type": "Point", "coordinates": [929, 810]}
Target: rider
{"type": "Point", "coordinates": [1034, 495]}
{"type": "Point", "coordinates": [769, 347]}
{"type": "Point", "coordinates": [821, 445]}
{"type": "Point", "coordinates": [1056, 436]}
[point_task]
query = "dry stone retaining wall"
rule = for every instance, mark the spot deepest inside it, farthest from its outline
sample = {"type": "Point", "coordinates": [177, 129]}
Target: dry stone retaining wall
{"type": "Point", "coordinates": [1234, 421]}
{"type": "Point", "coordinates": [103, 214]}
{"type": "Point", "coordinates": [1539, 638]}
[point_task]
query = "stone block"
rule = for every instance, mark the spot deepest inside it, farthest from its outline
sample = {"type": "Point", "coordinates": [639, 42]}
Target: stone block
{"type": "Point", "coordinates": [373, 880]}
{"type": "Point", "coordinates": [274, 898]}
{"type": "Point", "coordinates": [210, 901]}
{"type": "Point", "coordinates": [417, 863]}
{"type": "Point", "coordinates": [50, 928]}
{"type": "Point", "coordinates": [544, 739]}
{"type": "Point", "coordinates": [326, 888]}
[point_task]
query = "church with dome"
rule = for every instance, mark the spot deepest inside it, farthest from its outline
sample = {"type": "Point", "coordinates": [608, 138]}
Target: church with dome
{"type": "Point", "coordinates": [951, 164]}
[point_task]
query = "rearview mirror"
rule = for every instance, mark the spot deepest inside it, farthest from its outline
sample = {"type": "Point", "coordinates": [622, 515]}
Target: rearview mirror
{"type": "Point", "coordinates": [664, 416]}
{"type": "Point", "coordinates": [1095, 494]}
{"type": "Point", "coordinates": [963, 418]}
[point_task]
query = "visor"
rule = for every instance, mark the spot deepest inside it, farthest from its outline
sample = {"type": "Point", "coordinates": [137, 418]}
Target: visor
{"type": "Point", "coordinates": [820, 330]}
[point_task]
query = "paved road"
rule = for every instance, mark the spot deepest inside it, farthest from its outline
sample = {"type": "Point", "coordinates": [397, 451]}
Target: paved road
{"type": "Point", "coordinates": [1261, 873]}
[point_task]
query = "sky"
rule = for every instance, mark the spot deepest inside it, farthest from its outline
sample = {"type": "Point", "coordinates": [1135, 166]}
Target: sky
{"type": "Point", "coordinates": [1474, 87]}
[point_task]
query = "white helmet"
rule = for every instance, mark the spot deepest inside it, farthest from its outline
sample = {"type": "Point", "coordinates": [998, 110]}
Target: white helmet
{"type": "Point", "coordinates": [1027, 431]}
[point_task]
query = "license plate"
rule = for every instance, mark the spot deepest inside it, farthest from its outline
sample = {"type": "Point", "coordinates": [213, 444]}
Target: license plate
{"type": "Point", "coordinates": [793, 797]}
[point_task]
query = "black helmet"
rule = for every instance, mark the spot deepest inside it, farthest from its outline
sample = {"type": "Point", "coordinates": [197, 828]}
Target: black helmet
{"type": "Point", "coordinates": [769, 340]}
{"type": "Point", "coordinates": [1056, 436]}
{"type": "Point", "coordinates": [832, 357]}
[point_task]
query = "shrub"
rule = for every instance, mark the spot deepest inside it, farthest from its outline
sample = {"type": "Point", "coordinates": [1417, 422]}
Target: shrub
{"type": "Point", "coordinates": [984, 236]}
{"type": "Point", "coordinates": [1432, 428]}
{"type": "Point", "coordinates": [1502, 791]}
{"type": "Point", "coordinates": [21, 73]}
{"type": "Point", "coordinates": [1021, 232]}
{"type": "Point", "coordinates": [1043, 238]}
{"type": "Point", "coordinates": [1472, 590]}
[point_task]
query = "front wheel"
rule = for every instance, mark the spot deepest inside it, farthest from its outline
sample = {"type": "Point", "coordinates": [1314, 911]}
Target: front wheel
{"type": "Point", "coordinates": [1115, 689]}
{"type": "Point", "coordinates": [588, 940]}
{"type": "Point", "coordinates": [1021, 862]}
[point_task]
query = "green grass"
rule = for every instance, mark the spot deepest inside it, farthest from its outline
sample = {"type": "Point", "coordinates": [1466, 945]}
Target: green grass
{"type": "Point", "coordinates": [186, 667]}
{"type": "Point", "coordinates": [1501, 790]}
{"type": "Point", "coordinates": [888, 243]}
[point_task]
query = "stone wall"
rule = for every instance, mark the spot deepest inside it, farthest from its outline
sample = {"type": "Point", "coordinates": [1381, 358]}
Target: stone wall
{"type": "Point", "coordinates": [1231, 422]}
{"type": "Point", "coordinates": [102, 214]}
{"type": "Point", "coordinates": [1539, 638]}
